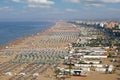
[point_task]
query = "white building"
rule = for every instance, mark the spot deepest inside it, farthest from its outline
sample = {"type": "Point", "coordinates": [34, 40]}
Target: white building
{"type": "Point", "coordinates": [100, 69]}
{"type": "Point", "coordinates": [89, 65]}
{"type": "Point", "coordinates": [94, 56]}
{"type": "Point", "coordinates": [94, 62]}
{"type": "Point", "coordinates": [102, 24]}
{"type": "Point", "coordinates": [119, 26]}
{"type": "Point", "coordinates": [74, 71]}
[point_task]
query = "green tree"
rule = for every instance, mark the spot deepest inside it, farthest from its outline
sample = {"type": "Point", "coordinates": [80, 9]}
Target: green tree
{"type": "Point", "coordinates": [57, 71]}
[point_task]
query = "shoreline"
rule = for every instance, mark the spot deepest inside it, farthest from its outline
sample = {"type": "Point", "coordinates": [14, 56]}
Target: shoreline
{"type": "Point", "coordinates": [39, 52]}
{"type": "Point", "coordinates": [21, 39]}
{"type": "Point", "coordinates": [55, 38]}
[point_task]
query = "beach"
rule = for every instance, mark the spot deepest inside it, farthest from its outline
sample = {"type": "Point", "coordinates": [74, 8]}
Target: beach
{"type": "Point", "coordinates": [35, 57]}
{"type": "Point", "coordinates": [48, 42]}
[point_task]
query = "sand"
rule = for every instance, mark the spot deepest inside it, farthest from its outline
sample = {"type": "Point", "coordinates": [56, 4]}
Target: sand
{"type": "Point", "coordinates": [53, 40]}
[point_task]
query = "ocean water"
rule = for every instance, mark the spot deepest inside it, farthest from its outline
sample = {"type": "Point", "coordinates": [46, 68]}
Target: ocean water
{"type": "Point", "coordinates": [10, 31]}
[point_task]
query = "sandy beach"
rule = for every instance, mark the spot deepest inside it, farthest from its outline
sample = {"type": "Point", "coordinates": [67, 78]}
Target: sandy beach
{"type": "Point", "coordinates": [51, 41]}
{"type": "Point", "coordinates": [17, 59]}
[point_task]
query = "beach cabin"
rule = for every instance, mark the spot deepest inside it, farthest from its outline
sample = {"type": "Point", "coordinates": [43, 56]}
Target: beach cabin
{"type": "Point", "coordinates": [94, 62]}
{"type": "Point", "coordinates": [100, 69]}
{"type": "Point", "coordinates": [94, 56]}
{"type": "Point", "coordinates": [88, 65]}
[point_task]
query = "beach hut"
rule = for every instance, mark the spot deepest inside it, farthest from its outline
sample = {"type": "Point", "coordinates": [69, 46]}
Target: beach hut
{"type": "Point", "coordinates": [100, 69]}
{"type": "Point", "coordinates": [94, 56]}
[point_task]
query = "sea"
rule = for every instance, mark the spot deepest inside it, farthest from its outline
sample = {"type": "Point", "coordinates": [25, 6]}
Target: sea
{"type": "Point", "coordinates": [10, 31]}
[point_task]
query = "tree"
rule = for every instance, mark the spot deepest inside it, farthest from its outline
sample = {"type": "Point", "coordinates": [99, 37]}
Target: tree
{"type": "Point", "coordinates": [57, 71]}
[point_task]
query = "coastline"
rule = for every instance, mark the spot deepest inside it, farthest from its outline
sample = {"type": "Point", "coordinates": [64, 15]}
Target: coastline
{"type": "Point", "coordinates": [54, 38]}
{"type": "Point", "coordinates": [50, 29]}
{"type": "Point", "coordinates": [41, 48]}
{"type": "Point", "coordinates": [19, 40]}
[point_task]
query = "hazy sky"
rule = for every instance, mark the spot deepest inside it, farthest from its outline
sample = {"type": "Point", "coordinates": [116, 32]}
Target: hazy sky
{"type": "Point", "coordinates": [25, 10]}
